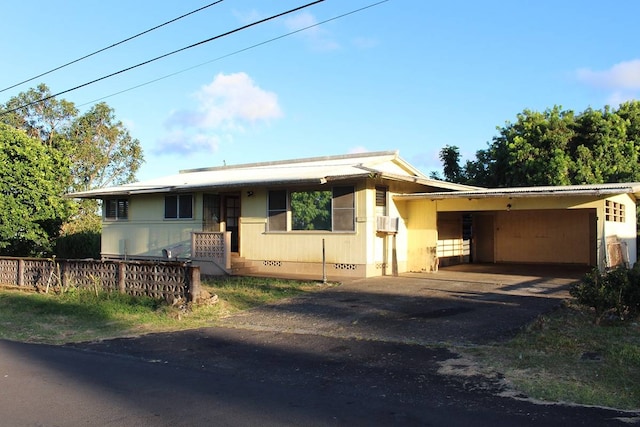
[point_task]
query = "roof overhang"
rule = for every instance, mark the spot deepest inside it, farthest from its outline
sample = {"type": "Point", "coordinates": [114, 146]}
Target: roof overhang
{"type": "Point", "coordinates": [591, 190]}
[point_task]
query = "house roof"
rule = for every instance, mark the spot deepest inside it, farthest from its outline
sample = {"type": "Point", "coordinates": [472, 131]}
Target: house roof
{"type": "Point", "coordinates": [543, 191]}
{"type": "Point", "coordinates": [316, 170]}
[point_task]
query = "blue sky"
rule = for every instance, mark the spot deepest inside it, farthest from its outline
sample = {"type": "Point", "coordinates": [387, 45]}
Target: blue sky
{"type": "Point", "coordinates": [403, 75]}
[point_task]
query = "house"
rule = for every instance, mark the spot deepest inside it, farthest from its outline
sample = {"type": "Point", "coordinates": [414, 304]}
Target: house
{"type": "Point", "coordinates": [360, 215]}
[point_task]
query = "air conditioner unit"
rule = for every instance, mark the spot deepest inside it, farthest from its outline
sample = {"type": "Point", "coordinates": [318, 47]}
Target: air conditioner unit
{"type": "Point", "coordinates": [387, 224]}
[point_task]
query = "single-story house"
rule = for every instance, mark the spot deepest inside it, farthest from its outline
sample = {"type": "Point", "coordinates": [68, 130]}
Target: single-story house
{"type": "Point", "coordinates": [360, 215]}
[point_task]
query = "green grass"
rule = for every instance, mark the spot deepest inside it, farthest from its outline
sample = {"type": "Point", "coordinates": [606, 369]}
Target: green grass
{"type": "Point", "coordinates": [84, 315]}
{"type": "Point", "coordinates": [565, 357]}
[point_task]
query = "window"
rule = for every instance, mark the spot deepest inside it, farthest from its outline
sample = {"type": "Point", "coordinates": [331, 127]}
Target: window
{"type": "Point", "coordinates": [178, 206]}
{"type": "Point", "coordinates": [277, 210]}
{"type": "Point", "coordinates": [343, 209]}
{"type": "Point", "coordinates": [320, 210]}
{"type": "Point", "coordinates": [116, 209]}
{"type": "Point", "coordinates": [381, 201]}
{"type": "Point", "coordinates": [311, 210]}
{"type": "Point", "coordinates": [614, 211]}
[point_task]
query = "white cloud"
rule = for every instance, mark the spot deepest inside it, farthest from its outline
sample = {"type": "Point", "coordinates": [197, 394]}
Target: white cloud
{"type": "Point", "coordinates": [364, 43]}
{"type": "Point", "coordinates": [621, 76]}
{"type": "Point", "coordinates": [227, 105]}
{"type": "Point", "coordinates": [358, 149]}
{"type": "Point", "coordinates": [317, 36]}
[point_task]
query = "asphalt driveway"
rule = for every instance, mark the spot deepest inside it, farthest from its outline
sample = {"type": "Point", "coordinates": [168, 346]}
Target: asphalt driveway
{"type": "Point", "coordinates": [457, 305]}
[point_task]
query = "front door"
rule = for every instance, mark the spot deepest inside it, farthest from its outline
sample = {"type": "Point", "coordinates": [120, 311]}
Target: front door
{"type": "Point", "coordinates": [232, 219]}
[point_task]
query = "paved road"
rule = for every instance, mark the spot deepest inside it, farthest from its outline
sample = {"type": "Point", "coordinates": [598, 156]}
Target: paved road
{"type": "Point", "coordinates": [262, 375]}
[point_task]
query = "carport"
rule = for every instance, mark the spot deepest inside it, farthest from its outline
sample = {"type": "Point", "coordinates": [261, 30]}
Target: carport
{"type": "Point", "coordinates": [583, 225]}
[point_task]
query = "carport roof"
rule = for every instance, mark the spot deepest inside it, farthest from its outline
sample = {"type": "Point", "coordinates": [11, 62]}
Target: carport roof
{"type": "Point", "coordinates": [546, 191]}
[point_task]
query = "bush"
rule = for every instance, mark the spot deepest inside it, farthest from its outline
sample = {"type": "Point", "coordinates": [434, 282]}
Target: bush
{"type": "Point", "coordinates": [84, 244]}
{"type": "Point", "coordinates": [614, 292]}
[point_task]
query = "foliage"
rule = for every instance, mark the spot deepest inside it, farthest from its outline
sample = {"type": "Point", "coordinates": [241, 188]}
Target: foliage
{"type": "Point", "coordinates": [105, 153]}
{"type": "Point", "coordinates": [32, 206]}
{"type": "Point", "coordinates": [45, 121]}
{"type": "Point", "coordinates": [556, 147]}
{"type": "Point", "coordinates": [98, 149]}
{"type": "Point", "coordinates": [79, 245]}
{"type": "Point", "coordinates": [614, 292]}
{"type": "Point", "coordinates": [311, 210]}
{"type": "Point", "coordinates": [450, 157]}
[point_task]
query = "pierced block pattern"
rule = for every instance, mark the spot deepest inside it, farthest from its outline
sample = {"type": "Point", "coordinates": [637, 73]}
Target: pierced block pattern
{"type": "Point", "coordinates": [346, 266]}
{"type": "Point", "coordinates": [208, 246]}
{"type": "Point", "coordinates": [167, 280]}
{"type": "Point", "coordinates": [91, 273]}
{"type": "Point", "coordinates": [9, 272]}
{"type": "Point", "coordinates": [272, 263]}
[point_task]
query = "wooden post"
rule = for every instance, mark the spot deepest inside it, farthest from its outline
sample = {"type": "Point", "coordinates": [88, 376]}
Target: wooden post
{"type": "Point", "coordinates": [20, 277]}
{"type": "Point", "coordinates": [122, 272]}
{"type": "Point", "coordinates": [193, 273]}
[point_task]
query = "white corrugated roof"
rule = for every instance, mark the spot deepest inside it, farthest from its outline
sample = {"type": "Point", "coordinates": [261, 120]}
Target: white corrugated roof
{"type": "Point", "coordinates": [542, 191]}
{"type": "Point", "coordinates": [315, 170]}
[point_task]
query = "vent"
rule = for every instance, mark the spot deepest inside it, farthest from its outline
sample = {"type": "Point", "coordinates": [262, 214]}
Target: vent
{"type": "Point", "coordinates": [387, 224]}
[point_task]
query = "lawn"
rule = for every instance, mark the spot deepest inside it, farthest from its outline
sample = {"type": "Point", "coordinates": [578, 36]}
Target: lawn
{"type": "Point", "coordinates": [563, 356]}
{"type": "Point", "coordinates": [85, 315]}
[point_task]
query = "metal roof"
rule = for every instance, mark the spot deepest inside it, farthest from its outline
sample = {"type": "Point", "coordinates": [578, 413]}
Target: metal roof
{"type": "Point", "coordinates": [316, 170]}
{"type": "Point", "coordinates": [542, 191]}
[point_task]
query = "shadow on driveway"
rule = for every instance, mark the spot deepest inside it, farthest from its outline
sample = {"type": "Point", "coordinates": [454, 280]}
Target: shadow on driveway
{"type": "Point", "coordinates": [448, 307]}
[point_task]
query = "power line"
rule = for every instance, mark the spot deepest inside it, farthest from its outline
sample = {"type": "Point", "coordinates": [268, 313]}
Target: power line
{"type": "Point", "coordinates": [111, 46]}
{"type": "Point", "coordinates": [234, 53]}
{"type": "Point", "coordinates": [163, 56]}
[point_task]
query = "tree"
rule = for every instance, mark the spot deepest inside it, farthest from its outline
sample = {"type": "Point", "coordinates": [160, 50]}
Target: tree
{"type": "Point", "coordinates": [105, 153]}
{"type": "Point", "coordinates": [557, 147]}
{"type": "Point", "coordinates": [450, 157]}
{"type": "Point", "coordinates": [44, 120]}
{"type": "Point", "coordinates": [99, 148]}
{"type": "Point", "coordinates": [32, 205]}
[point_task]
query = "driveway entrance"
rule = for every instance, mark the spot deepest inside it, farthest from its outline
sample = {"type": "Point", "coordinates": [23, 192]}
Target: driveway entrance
{"type": "Point", "coordinates": [466, 304]}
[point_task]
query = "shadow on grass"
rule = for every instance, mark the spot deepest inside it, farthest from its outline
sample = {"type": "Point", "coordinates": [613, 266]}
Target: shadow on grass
{"type": "Point", "coordinates": [55, 318]}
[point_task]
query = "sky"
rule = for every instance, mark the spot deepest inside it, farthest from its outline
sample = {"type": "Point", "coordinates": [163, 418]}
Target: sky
{"type": "Point", "coordinates": [406, 75]}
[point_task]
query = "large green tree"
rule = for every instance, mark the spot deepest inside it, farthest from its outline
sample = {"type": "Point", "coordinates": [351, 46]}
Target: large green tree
{"type": "Point", "coordinates": [556, 147]}
{"type": "Point", "coordinates": [99, 148]}
{"type": "Point", "coordinates": [32, 203]}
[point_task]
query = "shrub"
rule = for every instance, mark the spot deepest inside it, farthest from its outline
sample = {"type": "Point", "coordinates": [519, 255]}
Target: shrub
{"type": "Point", "coordinates": [614, 292]}
{"type": "Point", "coordinates": [84, 244]}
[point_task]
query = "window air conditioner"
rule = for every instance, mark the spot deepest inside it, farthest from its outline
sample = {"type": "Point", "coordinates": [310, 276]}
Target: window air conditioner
{"type": "Point", "coordinates": [387, 224]}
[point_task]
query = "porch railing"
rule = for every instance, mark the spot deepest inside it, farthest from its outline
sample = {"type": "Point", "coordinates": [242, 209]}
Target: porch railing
{"type": "Point", "coordinates": [212, 246]}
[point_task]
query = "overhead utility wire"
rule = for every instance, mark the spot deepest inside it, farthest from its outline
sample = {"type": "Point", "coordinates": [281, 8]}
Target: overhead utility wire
{"type": "Point", "coordinates": [162, 56]}
{"type": "Point", "coordinates": [111, 46]}
{"type": "Point", "coordinates": [234, 53]}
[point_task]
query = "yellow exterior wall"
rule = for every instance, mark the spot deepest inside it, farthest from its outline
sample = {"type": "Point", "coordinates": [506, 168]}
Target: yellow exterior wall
{"type": "Point", "coordinates": [422, 227]}
{"type": "Point", "coordinates": [146, 232]}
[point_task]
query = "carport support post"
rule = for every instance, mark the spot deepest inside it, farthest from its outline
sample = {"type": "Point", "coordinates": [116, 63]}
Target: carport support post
{"type": "Point", "coordinates": [394, 256]}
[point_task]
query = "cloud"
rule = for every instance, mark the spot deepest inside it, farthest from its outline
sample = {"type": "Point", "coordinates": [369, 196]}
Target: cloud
{"type": "Point", "coordinates": [621, 76]}
{"type": "Point", "coordinates": [364, 43]}
{"type": "Point", "coordinates": [227, 105]}
{"type": "Point", "coordinates": [358, 149]}
{"type": "Point", "coordinates": [318, 37]}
